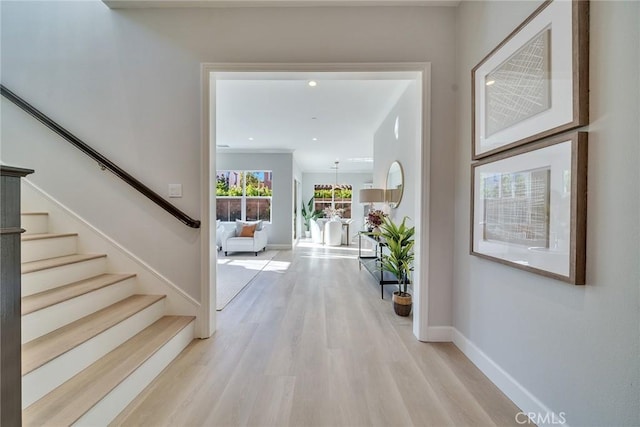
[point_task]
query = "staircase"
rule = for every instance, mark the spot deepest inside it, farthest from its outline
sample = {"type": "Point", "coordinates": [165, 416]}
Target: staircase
{"type": "Point", "coordinates": [90, 342]}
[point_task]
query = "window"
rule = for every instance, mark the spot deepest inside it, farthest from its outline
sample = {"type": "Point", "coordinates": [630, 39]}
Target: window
{"type": "Point", "coordinates": [327, 195]}
{"type": "Point", "coordinates": [244, 195]}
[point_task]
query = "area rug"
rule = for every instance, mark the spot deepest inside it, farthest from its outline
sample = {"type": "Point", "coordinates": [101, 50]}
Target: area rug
{"type": "Point", "coordinates": [236, 271]}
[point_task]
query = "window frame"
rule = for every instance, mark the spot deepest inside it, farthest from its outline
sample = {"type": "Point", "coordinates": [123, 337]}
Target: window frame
{"type": "Point", "coordinates": [333, 202]}
{"type": "Point", "coordinates": [243, 197]}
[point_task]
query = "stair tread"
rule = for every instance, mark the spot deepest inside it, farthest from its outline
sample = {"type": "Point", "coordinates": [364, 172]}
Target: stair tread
{"type": "Point", "coordinates": [39, 301]}
{"type": "Point", "coordinates": [42, 236]}
{"type": "Point", "coordinates": [48, 347]}
{"type": "Point", "coordinates": [67, 403]}
{"type": "Point", "coordinates": [34, 213]}
{"type": "Point", "coordinates": [32, 266]}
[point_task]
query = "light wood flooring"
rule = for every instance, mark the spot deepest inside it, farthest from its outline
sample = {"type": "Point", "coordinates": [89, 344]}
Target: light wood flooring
{"type": "Point", "coordinates": [312, 344]}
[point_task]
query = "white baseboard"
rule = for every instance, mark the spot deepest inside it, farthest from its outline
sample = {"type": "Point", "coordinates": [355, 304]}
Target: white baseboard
{"type": "Point", "coordinates": [519, 395]}
{"type": "Point", "coordinates": [439, 333]}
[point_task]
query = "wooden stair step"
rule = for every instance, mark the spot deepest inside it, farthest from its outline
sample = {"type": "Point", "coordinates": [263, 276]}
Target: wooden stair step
{"type": "Point", "coordinates": [67, 403]}
{"type": "Point", "coordinates": [32, 266]}
{"type": "Point", "coordinates": [43, 236]}
{"type": "Point", "coordinates": [47, 347]}
{"type": "Point", "coordinates": [33, 303]}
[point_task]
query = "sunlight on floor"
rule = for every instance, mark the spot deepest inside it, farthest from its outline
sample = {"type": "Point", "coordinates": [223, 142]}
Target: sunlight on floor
{"type": "Point", "coordinates": [277, 266]}
{"type": "Point", "coordinates": [321, 251]}
{"type": "Point", "coordinates": [327, 255]}
{"type": "Point", "coordinates": [351, 248]}
{"type": "Point", "coordinates": [248, 264]}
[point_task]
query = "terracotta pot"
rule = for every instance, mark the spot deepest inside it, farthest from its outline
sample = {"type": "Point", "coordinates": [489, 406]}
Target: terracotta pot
{"type": "Point", "coordinates": [402, 303]}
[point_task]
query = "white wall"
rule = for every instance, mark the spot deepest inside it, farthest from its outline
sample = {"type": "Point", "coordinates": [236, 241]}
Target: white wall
{"type": "Point", "coordinates": [386, 150]}
{"type": "Point", "coordinates": [357, 182]}
{"type": "Point", "coordinates": [281, 164]}
{"type": "Point", "coordinates": [575, 348]}
{"type": "Point", "coordinates": [128, 81]}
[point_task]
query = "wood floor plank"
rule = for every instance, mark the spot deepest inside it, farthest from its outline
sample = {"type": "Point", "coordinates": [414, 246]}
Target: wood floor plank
{"type": "Point", "coordinates": [314, 345]}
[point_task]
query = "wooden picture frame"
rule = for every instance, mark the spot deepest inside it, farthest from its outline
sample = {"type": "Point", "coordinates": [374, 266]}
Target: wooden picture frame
{"type": "Point", "coordinates": [529, 207]}
{"type": "Point", "coordinates": [535, 83]}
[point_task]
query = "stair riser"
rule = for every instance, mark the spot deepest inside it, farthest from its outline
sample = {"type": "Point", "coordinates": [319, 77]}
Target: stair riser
{"type": "Point", "coordinates": [51, 318]}
{"type": "Point", "coordinates": [40, 281]}
{"type": "Point", "coordinates": [35, 224]}
{"type": "Point", "coordinates": [117, 400]}
{"type": "Point", "coordinates": [35, 250]}
{"type": "Point", "coordinates": [41, 381]}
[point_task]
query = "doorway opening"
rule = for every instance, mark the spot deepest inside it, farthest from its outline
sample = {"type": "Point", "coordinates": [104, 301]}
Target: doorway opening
{"type": "Point", "coordinates": [214, 78]}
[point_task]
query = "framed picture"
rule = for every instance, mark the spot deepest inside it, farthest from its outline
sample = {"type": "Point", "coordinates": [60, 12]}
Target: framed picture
{"type": "Point", "coordinates": [529, 207]}
{"type": "Point", "coordinates": [535, 83]}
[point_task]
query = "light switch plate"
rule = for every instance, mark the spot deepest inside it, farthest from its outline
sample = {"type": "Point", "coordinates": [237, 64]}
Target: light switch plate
{"type": "Point", "coordinates": [175, 190]}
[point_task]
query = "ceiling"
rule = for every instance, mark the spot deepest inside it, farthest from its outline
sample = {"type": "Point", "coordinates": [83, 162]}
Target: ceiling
{"type": "Point", "coordinates": [124, 4]}
{"type": "Point", "coordinates": [280, 112]}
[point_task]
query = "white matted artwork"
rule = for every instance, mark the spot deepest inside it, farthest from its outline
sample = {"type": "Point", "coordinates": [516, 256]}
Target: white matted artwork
{"type": "Point", "coordinates": [535, 83]}
{"type": "Point", "coordinates": [529, 207]}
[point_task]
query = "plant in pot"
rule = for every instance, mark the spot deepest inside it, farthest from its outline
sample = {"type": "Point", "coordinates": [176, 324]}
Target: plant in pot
{"type": "Point", "coordinates": [399, 260]}
{"type": "Point", "coordinates": [308, 213]}
{"type": "Point", "coordinates": [374, 219]}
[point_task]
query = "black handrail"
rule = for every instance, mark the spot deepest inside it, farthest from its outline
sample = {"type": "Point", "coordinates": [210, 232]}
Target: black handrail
{"type": "Point", "coordinates": [103, 162]}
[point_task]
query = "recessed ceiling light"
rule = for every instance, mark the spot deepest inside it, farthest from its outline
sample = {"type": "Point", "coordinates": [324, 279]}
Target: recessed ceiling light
{"type": "Point", "coordinates": [250, 138]}
{"type": "Point", "coordinates": [490, 82]}
{"type": "Point", "coordinates": [312, 83]}
{"type": "Point", "coordinates": [314, 139]}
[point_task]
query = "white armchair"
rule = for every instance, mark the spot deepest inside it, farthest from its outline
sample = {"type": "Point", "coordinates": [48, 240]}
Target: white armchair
{"type": "Point", "coordinates": [232, 241]}
{"type": "Point", "coordinates": [219, 233]}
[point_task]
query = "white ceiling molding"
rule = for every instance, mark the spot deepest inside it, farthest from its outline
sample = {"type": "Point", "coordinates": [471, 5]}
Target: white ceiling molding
{"type": "Point", "coordinates": [142, 4]}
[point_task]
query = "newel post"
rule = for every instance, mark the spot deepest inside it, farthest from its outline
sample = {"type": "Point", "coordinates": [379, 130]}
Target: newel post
{"type": "Point", "coordinates": [10, 317]}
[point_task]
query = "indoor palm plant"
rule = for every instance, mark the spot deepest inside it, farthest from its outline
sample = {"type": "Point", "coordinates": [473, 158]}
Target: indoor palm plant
{"type": "Point", "coordinates": [398, 259]}
{"type": "Point", "coordinates": [308, 213]}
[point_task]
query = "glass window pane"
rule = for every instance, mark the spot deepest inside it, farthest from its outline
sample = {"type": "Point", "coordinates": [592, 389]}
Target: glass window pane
{"type": "Point", "coordinates": [346, 207]}
{"type": "Point", "coordinates": [259, 183]}
{"type": "Point", "coordinates": [320, 206]}
{"type": "Point", "coordinates": [229, 183]}
{"type": "Point", "coordinates": [343, 193]}
{"type": "Point", "coordinates": [229, 209]}
{"type": "Point", "coordinates": [258, 209]}
{"type": "Point", "coordinates": [322, 192]}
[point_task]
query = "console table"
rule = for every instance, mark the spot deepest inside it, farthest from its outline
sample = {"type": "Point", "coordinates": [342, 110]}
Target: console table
{"type": "Point", "coordinates": [372, 263]}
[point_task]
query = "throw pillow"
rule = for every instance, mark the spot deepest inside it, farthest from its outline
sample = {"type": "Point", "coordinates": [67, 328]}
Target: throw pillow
{"type": "Point", "coordinates": [248, 231]}
{"type": "Point", "coordinates": [240, 224]}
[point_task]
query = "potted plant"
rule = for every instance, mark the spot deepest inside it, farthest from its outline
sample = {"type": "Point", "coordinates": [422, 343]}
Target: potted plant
{"type": "Point", "coordinates": [308, 213]}
{"type": "Point", "coordinates": [374, 219]}
{"type": "Point", "coordinates": [399, 260]}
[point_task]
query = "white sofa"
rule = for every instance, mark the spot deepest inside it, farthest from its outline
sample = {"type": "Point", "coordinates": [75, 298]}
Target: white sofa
{"type": "Point", "coordinates": [232, 242]}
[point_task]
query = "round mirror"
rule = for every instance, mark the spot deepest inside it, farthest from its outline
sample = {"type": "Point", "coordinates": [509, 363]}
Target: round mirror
{"type": "Point", "coordinates": [395, 185]}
